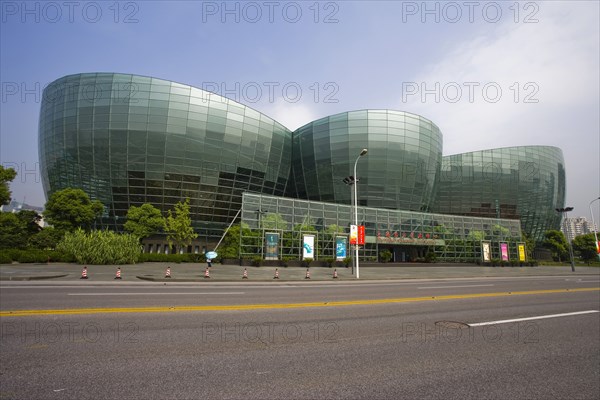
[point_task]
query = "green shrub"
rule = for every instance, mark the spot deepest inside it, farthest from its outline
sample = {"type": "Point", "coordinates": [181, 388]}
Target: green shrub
{"type": "Point", "coordinates": [101, 247]}
{"type": "Point", "coordinates": [32, 256]}
{"type": "Point", "coordinates": [160, 257]}
{"type": "Point", "coordinates": [5, 258]}
{"type": "Point", "coordinates": [385, 255]}
{"type": "Point", "coordinates": [256, 261]}
{"type": "Point", "coordinates": [60, 256]}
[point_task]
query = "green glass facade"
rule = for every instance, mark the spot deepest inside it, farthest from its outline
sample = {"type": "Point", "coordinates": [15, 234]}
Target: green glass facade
{"type": "Point", "coordinates": [525, 183]}
{"type": "Point", "coordinates": [399, 172]}
{"type": "Point", "coordinates": [128, 140]}
{"type": "Point", "coordinates": [408, 235]}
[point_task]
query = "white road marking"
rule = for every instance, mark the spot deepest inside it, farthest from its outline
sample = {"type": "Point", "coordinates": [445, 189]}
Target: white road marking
{"type": "Point", "coordinates": [508, 321]}
{"type": "Point", "coordinates": [450, 287]}
{"type": "Point", "coordinates": [148, 293]}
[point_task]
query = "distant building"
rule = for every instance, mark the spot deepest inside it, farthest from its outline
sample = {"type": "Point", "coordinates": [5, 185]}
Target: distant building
{"type": "Point", "coordinates": [14, 207]}
{"type": "Point", "coordinates": [573, 227]}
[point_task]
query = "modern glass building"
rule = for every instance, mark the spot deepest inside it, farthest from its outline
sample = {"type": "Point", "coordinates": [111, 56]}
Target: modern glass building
{"type": "Point", "coordinates": [525, 183]}
{"type": "Point", "coordinates": [408, 235]}
{"type": "Point", "coordinates": [405, 153]}
{"type": "Point", "coordinates": [128, 140]}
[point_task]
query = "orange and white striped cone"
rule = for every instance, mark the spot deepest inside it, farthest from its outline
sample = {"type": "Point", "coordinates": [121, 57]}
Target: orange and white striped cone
{"type": "Point", "coordinates": [84, 273]}
{"type": "Point", "coordinates": [245, 276]}
{"type": "Point", "coordinates": [276, 274]}
{"type": "Point", "coordinates": [206, 274]}
{"type": "Point", "coordinates": [168, 273]}
{"type": "Point", "coordinates": [118, 274]}
{"type": "Point", "coordinates": [307, 274]}
{"type": "Point", "coordinates": [335, 274]}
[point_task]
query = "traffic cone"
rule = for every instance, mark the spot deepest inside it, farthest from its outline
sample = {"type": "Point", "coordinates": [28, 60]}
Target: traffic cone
{"type": "Point", "coordinates": [276, 274]}
{"type": "Point", "coordinates": [245, 276]}
{"type": "Point", "coordinates": [84, 273]}
{"type": "Point", "coordinates": [168, 273]}
{"type": "Point", "coordinates": [206, 274]}
{"type": "Point", "coordinates": [335, 273]}
{"type": "Point", "coordinates": [118, 275]}
{"type": "Point", "coordinates": [307, 274]}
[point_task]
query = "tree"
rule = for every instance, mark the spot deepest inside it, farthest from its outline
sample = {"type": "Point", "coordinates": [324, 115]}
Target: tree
{"type": "Point", "coordinates": [69, 209]}
{"type": "Point", "coordinates": [30, 220]}
{"type": "Point", "coordinates": [6, 175]}
{"type": "Point", "coordinates": [585, 245]}
{"type": "Point", "coordinates": [13, 232]}
{"type": "Point", "coordinates": [556, 242]}
{"type": "Point", "coordinates": [273, 221]}
{"type": "Point", "coordinates": [230, 247]}
{"type": "Point", "coordinates": [476, 236]}
{"type": "Point", "coordinates": [529, 244]}
{"type": "Point", "coordinates": [143, 221]}
{"type": "Point", "coordinates": [179, 227]}
{"type": "Point", "coordinates": [47, 238]}
{"type": "Point", "coordinates": [334, 230]}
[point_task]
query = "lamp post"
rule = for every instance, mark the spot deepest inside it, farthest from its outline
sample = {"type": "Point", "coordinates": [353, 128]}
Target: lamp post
{"type": "Point", "coordinates": [565, 210]}
{"type": "Point", "coordinates": [595, 229]}
{"type": "Point", "coordinates": [362, 153]}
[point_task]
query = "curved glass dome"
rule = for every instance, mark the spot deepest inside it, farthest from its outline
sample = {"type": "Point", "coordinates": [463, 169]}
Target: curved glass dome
{"type": "Point", "coordinates": [127, 140]}
{"type": "Point", "coordinates": [398, 172]}
{"type": "Point", "coordinates": [525, 183]}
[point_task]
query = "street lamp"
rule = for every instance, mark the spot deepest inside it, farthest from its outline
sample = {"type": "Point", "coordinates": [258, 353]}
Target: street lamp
{"type": "Point", "coordinates": [362, 153]}
{"type": "Point", "coordinates": [566, 210]}
{"type": "Point", "coordinates": [595, 229]}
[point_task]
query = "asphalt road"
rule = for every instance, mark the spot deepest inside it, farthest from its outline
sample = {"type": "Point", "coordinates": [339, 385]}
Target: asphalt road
{"type": "Point", "coordinates": [390, 339]}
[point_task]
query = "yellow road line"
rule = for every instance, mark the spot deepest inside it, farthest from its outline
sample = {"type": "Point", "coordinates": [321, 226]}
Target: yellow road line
{"type": "Point", "coordinates": [72, 311]}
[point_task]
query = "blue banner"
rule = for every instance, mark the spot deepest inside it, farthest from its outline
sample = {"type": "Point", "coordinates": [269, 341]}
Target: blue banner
{"type": "Point", "coordinates": [341, 244]}
{"type": "Point", "coordinates": [272, 247]}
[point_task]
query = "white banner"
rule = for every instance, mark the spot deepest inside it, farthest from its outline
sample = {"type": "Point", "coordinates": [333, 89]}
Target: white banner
{"type": "Point", "coordinates": [308, 247]}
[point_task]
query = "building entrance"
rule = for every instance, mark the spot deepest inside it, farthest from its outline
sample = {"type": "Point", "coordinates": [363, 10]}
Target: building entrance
{"type": "Point", "coordinates": [403, 253]}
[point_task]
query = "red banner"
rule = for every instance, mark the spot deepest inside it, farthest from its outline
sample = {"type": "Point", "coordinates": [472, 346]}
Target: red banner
{"type": "Point", "coordinates": [361, 234]}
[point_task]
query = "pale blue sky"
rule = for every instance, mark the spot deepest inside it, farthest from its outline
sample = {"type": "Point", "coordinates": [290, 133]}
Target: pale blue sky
{"type": "Point", "coordinates": [542, 56]}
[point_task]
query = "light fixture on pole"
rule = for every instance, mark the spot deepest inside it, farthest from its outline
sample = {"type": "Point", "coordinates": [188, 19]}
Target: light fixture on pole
{"type": "Point", "coordinates": [565, 210]}
{"type": "Point", "coordinates": [362, 153]}
{"type": "Point", "coordinates": [595, 229]}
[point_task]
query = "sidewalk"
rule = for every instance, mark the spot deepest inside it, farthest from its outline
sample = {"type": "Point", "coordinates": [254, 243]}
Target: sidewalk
{"type": "Point", "coordinates": [187, 272]}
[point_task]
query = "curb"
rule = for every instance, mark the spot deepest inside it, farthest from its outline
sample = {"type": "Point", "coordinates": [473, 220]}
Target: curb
{"type": "Point", "coordinates": [30, 278]}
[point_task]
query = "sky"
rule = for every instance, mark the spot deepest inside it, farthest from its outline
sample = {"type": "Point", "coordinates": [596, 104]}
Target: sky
{"type": "Point", "coordinates": [489, 74]}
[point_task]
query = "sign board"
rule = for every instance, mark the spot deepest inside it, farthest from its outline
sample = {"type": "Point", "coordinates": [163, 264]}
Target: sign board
{"type": "Point", "coordinates": [308, 247]}
{"type": "Point", "coordinates": [341, 247]}
{"type": "Point", "coordinates": [486, 251]}
{"type": "Point", "coordinates": [353, 234]}
{"type": "Point", "coordinates": [521, 251]}
{"type": "Point", "coordinates": [272, 246]}
{"type": "Point", "coordinates": [504, 251]}
{"type": "Point", "coordinates": [361, 234]}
